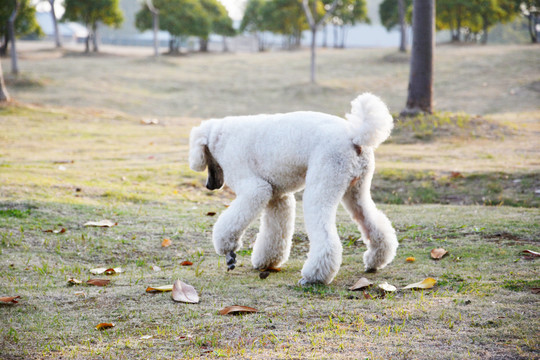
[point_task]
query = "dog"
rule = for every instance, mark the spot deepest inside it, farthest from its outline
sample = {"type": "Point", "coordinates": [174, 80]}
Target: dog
{"type": "Point", "coordinates": [265, 159]}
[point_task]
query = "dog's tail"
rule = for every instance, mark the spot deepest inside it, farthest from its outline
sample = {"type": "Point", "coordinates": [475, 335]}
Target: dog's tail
{"type": "Point", "coordinates": [370, 119]}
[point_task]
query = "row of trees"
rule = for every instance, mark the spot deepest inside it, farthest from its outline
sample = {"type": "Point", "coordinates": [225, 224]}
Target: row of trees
{"type": "Point", "coordinates": [467, 20]}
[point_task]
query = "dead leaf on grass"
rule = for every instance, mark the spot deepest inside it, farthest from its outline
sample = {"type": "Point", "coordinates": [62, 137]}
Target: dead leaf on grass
{"type": "Point", "coordinates": [156, 268]}
{"type": "Point", "coordinates": [410, 259]}
{"type": "Point", "coordinates": [183, 292]}
{"type": "Point", "coordinates": [531, 253]}
{"type": "Point", "coordinates": [211, 213]}
{"type": "Point", "coordinates": [98, 282]}
{"type": "Point", "coordinates": [237, 309]}
{"type": "Point", "coordinates": [106, 271]}
{"type": "Point", "coordinates": [166, 243]}
{"type": "Point", "coordinates": [157, 289]}
{"type": "Point", "coordinates": [387, 287]}
{"type": "Point", "coordinates": [186, 263]}
{"type": "Point", "coordinates": [360, 284]}
{"type": "Point", "coordinates": [367, 296]}
{"type": "Point", "coordinates": [73, 281]}
{"type": "Point", "coordinates": [438, 254]}
{"type": "Point", "coordinates": [146, 337]}
{"type": "Point", "coordinates": [149, 121]}
{"type": "Point", "coordinates": [535, 290]}
{"type": "Point", "coordinates": [456, 175]}
{"type": "Point", "coordinates": [101, 223]}
{"type": "Point", "coordinates": [103, 326]}
{"type": "Point", "coordinates": [424, 284]}
{"type": "Point", "coordinates": [56, 231]}
{"type": "Point", "coordinates": [9, 299]}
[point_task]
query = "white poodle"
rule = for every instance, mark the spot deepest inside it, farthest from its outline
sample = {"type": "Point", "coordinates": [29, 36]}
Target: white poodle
{"type": "Point", "coordinates": [265, 159]}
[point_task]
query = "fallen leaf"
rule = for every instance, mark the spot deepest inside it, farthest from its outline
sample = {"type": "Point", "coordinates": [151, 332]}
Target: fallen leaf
{"type": "Point", "coordinates": [102, 223]}
{"type": "Point", "coordinates": [98, 282]}
{"type": "Point", "coordinates": [530, 252]}
{"type": "Point", "coordinates": [9, 299]}
{"type": "Point", "coordinates": [237, 309]}
{"type": "Point", "coordinates": [73, 281]}
{"type": "Point", "coordinates": [438, 254]}
{"type": "Point", "coordinates": [166, 243]}
{"type": "Point", "coordinates": [264, 274]}
{"type": "Point", "coordinates": [535, 290]}
{"type": "Point", "coordinates": [186, 263]}
{"type": "Point", "coordinates": [183, 292]}
{"type": "Point", "coordinates": [103, 326]}
{"type": "Point", "coordinates": [157, 289]}
{"type": "Point", "coordinates": [210, 213]}
{"type": "Point", "coordinates": [79, 293]}
{"type": "Point", "coordinates": [456, 175]}
{"type": "Point", "coordinates": [387, 287]}
{"type": "Point", "coordinates": [360, 284]}
{"type": "Point", "coordinates": [367, 296]}
{"type": "Point", "coordinates": [149, 121]}
{"type": "Point", "coordinates": [410, 259]}
{"type": "Point", "coordinates": [156, 268]}
{"type": "Point", "coordinates": [106, 271]}
{"type": "Point", "coordinates": [424, 284]}
{"type": "Point", "coordinates": [58, 231]}
{"type": "Point", "coordinates": [146, 337]}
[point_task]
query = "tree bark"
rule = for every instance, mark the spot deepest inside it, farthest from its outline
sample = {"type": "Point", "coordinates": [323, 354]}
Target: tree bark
{"type": "Point", "coordinates": [203, 45]}
{"type": "Point", "coordinates": [58, 41]}
{"type": "Point", "coordinates": [11, 30]}
{"type": "Point", "coordinates": [155, 25]}
{"type": "Point", "coordinates": [94, 38]}
{"type": "Point", "coordinates": [402, 26]}
{"type": "Point", "coordinates": [420, 94]}
{"type": "Point", "coordinates": [4, 95]}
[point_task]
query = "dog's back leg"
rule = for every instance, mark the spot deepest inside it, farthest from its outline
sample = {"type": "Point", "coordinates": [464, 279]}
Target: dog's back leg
{"type": "Point", "coordinates": [377, 231]}
{"type": "Point", "coordinates": [273, 244]}
{"type": "Point", "coordinates": [251, 197]}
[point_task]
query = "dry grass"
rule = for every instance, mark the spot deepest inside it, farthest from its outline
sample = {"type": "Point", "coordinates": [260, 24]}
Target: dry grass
{"type": "Point", "coordinates": [82, 154]}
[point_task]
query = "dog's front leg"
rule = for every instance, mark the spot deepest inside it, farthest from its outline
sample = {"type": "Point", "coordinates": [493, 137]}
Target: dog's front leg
{"type": "Point", "coordinates": [252, 197]}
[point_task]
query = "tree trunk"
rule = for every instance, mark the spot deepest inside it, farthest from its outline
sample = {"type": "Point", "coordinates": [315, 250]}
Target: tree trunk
{"type": "Point", "coordinates": [203, 45]}
{"type": "Point", "coordinates": [336, 41]}
{"type": "Point", "coordinates": [57, 39]}
{"type": "Point", "coordinates": [313, 43]}
{"type": "Point", "coordinates": [402, 26]}
{"type": "Point", "coordinates": [94, 38]}
{"type": "Point", "coordinates": [3, 49]}
{"type": "Point", "coordinates": [420, 94]}
{"type": "Point", "coordinates": [225, 45]}
{"type": "Point", "coordinates": [4, 96]}
{"type": "Point", "coordinates": [11, 29]}
{"type": "Point", "coordinates": [532, 27]}
{"type": "Point", "coordinates": [325, 36]}
{"type": "Point", "coordinates": [87, 43]}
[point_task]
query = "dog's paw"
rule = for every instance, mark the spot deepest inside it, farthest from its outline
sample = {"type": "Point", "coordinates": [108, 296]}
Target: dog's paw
{"type": "Point", "coordinates": [231, 260]}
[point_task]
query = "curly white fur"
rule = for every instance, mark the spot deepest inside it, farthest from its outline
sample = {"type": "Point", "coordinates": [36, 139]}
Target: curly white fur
{"type": "Point", "coordinates": [266, 158]}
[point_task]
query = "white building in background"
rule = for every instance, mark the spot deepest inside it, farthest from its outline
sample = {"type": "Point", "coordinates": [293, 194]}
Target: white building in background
{"type": "Point", "coordinates": [69, 30]}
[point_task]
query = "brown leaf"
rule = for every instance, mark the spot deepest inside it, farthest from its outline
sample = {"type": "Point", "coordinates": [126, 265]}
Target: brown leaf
{"type": "Point", "coordinates": [58, 231]}
{"type": "Point", "coordinates": [73, 281]}
{"type": "Point", "coordinates": [367, 296]}
{"type": "Point", "coordinates": [183, 292]}
{"type": "Point", "coordinates": [186, 263]}
{"type": "Point", "coordinates": [237, 309]}
{"type": "Point", "coordinates": [157, 289]}
{"type": "Point", "coordinates": [360, 284]}
{"type": "Point", "coordinates": [535, 290]}
{"type": "Point", "coordinates": [9, 299]}
{"type": "Point", "coordinates": [210, 213]}
{"type": "Point", "coordinates": [456, 175]}
{"type": "Point", "coordinates": [98, 282]}
{"type": "Point", "coordinates": [166, 243]}
{"type": "Point", "coordinates": [438, 254]}
{"type": "Point", "coordinates": [102, 223]}
{"type": "Point", "coordinates": [106, 271]}
{"type": "Point", "coordinates": [103, 326]}
{"type": "Point", "coordinates": [531, 253]}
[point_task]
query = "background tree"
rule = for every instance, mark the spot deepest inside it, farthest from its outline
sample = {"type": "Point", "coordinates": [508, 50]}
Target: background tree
{"type": "Point", "coordinates": [312, 11]}
{"type": "Point", "coordinates": [253, 22]}
{"type": "Point", "coordinates": [420, 94]}
{"type": "Point", "coordinates": [25, 21]}
{"type": "Point", "coordinates": [220, 22]}
{"type": "Point", "coordinates": [285, 17]}
{"type": "Point", "coordinates": [181, 18]}
{"type": "Point", "coordinates": [347, 13]}
{"type": "Point", "coordinates": [90, 13]}
{"type": "Point", "coordinates": [57, 39]}
{"type": "Point", "coordinates": [531, 10]}
{"type": "Point", "coordinates": [396, 13]}
{"type": "Point", "coordinates": [4, 96]}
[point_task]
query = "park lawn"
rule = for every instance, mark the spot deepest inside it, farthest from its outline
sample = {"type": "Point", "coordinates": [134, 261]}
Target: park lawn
{"type": "Point", "coordinates": [469, 191]}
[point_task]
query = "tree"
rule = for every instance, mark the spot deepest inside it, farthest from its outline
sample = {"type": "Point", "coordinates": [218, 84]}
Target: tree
{"type": "Point", "coordinates": [253, 21]}
{"type": "Point", "coordinates": [531, 10]}
{"type": "Point", "coordinates": [25, 21]}
{"type": "Point", "coordinates": [57, 39]}
{"type": "Point", "coordinates": [90, 13]}
{"type": "Point", "coordinates": [396, 13]}
{"type": "Point", "coordinates": [314, 25]}
{"type": "Point", "coordinates": [420, 94]}
{"type": "Point", "coordinates": [155, 25]}
{"type": "Point", "coordinates": [220, 22]}
{"type": "Point", "coordinates": [4, 96]}
{"type": "Point", "coordinates": [347, 13]}
{"type": "Point", "coordinates": [181, 18]}
{"type": "Point", "coordinates": [285, 17]}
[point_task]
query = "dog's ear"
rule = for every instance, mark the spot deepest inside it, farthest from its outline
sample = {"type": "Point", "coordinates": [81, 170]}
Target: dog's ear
{"type": "Point", "coordinates": [198, 142]}
{"type": "Point", "coordinates": [215, 172]}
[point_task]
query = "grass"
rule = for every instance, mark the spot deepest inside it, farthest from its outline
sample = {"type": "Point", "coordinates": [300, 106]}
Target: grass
{"type": "Point", "coordinates": [63, 163]}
